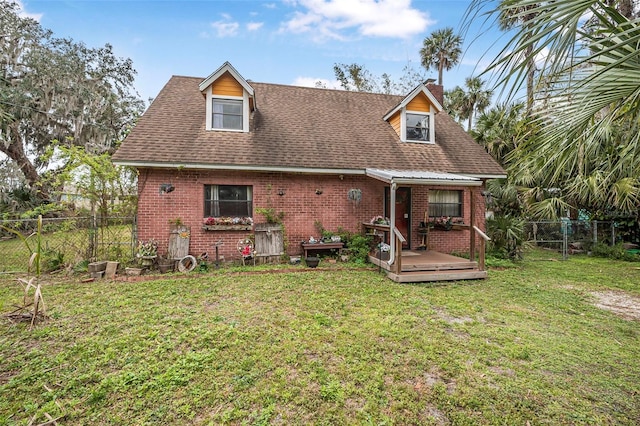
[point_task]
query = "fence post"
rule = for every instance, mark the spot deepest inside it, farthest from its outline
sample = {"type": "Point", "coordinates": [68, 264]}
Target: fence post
{"type": "Point", "coordinates": [565, 240]}
{"type": "Point", "coordinates": [134, 236]}
{"type": "Point", "coordinates": [92, 252]}
{"type": "Point", "coordinates": [613, 234]}
{"type": "Point", "coordinates": [595, 232]}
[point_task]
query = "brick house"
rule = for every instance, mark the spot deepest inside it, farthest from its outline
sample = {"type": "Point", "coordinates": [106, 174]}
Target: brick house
{"type": "Point", "coordinates": [226, 146]}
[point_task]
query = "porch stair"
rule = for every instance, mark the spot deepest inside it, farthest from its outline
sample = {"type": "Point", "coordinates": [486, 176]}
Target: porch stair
{"type": "Point", "coordinates": [431, 266]}
{"type": "Point", "coordinates": [432, 276]}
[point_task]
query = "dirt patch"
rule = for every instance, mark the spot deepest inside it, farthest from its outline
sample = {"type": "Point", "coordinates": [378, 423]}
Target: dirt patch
{"type": "Point", "coordinates": [443, 315]}
{"type": "Point", "coordinates": [620, 303]}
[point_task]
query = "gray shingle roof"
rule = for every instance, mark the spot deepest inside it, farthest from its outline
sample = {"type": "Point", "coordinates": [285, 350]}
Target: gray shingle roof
{"type": "Point", "coordinates": [296, 127]}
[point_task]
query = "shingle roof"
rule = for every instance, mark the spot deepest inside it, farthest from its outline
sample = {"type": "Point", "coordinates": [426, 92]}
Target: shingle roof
{"type": "Point", "coordinates": [296, 127]}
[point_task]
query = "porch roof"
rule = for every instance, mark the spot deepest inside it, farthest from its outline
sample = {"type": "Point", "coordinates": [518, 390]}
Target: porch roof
{"type": "Point", "coordinates": [416, 177]}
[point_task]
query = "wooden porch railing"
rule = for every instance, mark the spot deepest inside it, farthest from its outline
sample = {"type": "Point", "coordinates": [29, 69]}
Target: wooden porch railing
{"type": "Point", "coordinates": [483, 243]}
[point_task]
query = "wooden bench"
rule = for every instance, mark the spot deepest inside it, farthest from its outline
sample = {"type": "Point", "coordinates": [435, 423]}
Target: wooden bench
{"type": "Point", "coordinates": [311, 247]}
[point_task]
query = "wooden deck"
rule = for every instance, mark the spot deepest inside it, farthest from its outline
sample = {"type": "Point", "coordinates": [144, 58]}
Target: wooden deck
{"type": "Point", "coordinates": [429, 265]}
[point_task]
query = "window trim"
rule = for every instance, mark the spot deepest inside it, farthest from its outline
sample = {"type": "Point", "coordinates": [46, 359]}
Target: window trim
{"type": "Point", "coordinates": [403, 126]}
{"type": "Point", "coordinates": [215, 197]}
{"type": "Point", "coordinates": [245, 111]}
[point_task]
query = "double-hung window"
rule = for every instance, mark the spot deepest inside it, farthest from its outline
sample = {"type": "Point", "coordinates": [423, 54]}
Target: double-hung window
{"type": "Point", "coordinates": [228, 201]}
{"type": "Point", "coordinates": [418, 128]}
{"type": "Point", "coordinates": [445, 203]}
{"type": "Point", "coordinates": [227, 114]}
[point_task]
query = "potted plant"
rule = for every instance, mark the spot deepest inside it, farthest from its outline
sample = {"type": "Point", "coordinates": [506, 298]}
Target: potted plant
{"type": "Point", "coordinates": [148, 252]}
{"type": "Point", "coordinates": [312, 261]}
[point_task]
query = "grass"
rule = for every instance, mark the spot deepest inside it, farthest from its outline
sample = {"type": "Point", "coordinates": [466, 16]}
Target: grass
{"type": "Point", "coordinates": [329, 347]}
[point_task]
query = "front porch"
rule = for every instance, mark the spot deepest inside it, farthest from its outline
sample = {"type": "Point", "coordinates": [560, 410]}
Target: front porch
{"type": "Point", "coordinates": [430, 265]}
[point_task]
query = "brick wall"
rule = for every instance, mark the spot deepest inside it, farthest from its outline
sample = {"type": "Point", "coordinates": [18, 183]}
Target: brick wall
{"type": "Point", "coordinates": [300, 203]}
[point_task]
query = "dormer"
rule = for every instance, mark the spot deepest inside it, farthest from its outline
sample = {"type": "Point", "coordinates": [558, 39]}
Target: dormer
{"type": "Point", "coordinates": [413, 119]}
{"type": "Point", "coordinates": [229, 100]}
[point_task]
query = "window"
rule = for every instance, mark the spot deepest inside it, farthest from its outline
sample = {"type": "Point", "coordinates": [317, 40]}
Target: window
{"type": "Point", "coordinates": [227, 114]}
{"type": "Point", "coordinates": [418, 127]}
{"type": "Point", "coordinates": [228, 200]}
{"type": "Point", "coordinates": [445, 203]}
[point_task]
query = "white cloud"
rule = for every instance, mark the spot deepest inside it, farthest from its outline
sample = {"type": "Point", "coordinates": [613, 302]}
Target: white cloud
{"type": "Point", "coordinates": [24, 14]}
{"type": "Point", "coordinates": [225, 28]}
{"type": "Point", "coordinates": [254, 26]}
{"type": "Point", "coordinates": [381, 18]}
{"type": "Point", "coordinates": [270, 5]}
{"type": "Point", "coordinates": [312, 82]}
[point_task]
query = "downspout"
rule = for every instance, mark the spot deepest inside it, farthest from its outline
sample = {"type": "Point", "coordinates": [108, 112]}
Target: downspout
{"type": "Point", "coordinates": [392, 224]}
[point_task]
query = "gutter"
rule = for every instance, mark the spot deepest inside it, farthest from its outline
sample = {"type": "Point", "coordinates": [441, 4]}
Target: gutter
{"type": "Point", "coordinates": [247, 168]}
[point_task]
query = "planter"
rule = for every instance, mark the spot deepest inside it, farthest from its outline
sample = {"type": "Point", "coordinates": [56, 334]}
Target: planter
{"type": "Point", "coordinates": [133, 271]}
{"type": "Point", "coordinates": [382, 255]}
{"type": "Point", "coordinates": [312, 261]}
{"type": "Point", "coordinates": [110, 270]}
{"type": "Point", "coordinates": [227, 227]}
{"type": "Point", "coordinates": [148, 260]}
{"type": "Point", "coordinates": [166, 266]}
{"type": "Point", "coordinates": [97, 266]}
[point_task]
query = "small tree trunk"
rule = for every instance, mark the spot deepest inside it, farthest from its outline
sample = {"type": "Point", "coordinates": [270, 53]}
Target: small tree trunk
{"type": "Point", "coordinates": [15, 151]}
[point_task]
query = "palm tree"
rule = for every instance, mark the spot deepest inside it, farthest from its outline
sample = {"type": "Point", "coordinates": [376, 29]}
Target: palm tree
{"type": "Point", "coordinates": [454, 103]}
{"type": "Point", "coordinates": [477, 98]}
{"type": "Point", "coordinates": [441, 51]}
{"type": "Point", "coordinates": [463, 105]}
{"type": "Point", "coordinates": [500, 131]}
{"type": "Point", "coordinates": [523, 16]}
{"type": "Point", "coordinates": [588, 133]}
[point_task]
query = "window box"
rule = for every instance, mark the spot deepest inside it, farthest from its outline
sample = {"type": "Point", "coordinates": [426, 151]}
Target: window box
{"type": "Point", "coordinates": [227, 227]}
{"type": "Point", "coordinates": [448, 227]}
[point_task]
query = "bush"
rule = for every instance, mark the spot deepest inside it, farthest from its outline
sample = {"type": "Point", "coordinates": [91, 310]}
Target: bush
{"type": "Point", "coordinates": [614, 252]}
{"type": "Point", "coordinates": [359, 246]}
{"type": "Point", "coordinates": [507, 236]}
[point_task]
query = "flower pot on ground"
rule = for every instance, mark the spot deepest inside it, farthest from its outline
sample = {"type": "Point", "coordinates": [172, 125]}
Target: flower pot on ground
{"type": "Point", "coordinates": [166, 265]}
{"type": "Point", "coordinates": [312, 261]}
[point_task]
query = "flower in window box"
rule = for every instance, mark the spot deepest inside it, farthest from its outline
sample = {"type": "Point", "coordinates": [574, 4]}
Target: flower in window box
{"type": "Point", "coordinates": [442, 222]}
{"type": "Point", "coordinates": [228, 220]}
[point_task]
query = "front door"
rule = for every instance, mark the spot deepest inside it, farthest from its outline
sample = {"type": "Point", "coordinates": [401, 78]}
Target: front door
{"type": "Point", "coordinates": [403, 211]}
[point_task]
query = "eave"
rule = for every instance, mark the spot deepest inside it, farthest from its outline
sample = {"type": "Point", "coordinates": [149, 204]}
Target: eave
{"type": "Point", "coordinates": [420, 88]}
{"type": "Point", "coordinates": [413, 177]}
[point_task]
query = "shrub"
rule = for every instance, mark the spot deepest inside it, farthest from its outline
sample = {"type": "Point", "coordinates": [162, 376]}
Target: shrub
{"type": "Point", "coordinates": [359, 246]}
{"type": "Point", "coordinates": [613, 252]}
{"type": "Point", "coordinates": [507, 236]}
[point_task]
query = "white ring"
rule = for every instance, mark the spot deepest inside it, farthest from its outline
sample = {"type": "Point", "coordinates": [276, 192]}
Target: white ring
{"type": "Point", "coordinates": [182, 264]}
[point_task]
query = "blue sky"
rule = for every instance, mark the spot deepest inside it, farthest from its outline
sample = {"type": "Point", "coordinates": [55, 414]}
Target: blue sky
{"type": "Point", "coordinates": [287, 42]}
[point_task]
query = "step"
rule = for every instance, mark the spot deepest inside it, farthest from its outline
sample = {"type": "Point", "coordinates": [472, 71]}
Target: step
{"type": "Point", "coordinates": [431, 276]}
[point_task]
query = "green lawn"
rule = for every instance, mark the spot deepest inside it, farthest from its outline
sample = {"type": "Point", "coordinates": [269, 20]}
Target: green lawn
{"type": "Point", "coordinates": [526, 346]}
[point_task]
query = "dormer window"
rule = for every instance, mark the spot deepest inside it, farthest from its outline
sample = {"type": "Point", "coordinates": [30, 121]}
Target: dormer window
{"type": "Point", "coordinates": [418, 127]}
{"type": "Point", "coordinates": [227, 114]}
{"type": "Point", "coordinates": [413, 119]}
{"type": "Point", "coordinates": [229, 99]}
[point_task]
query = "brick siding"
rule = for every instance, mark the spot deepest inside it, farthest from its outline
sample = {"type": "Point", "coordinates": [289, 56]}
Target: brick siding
{"type": "Point", "coordinates": [300, 203]}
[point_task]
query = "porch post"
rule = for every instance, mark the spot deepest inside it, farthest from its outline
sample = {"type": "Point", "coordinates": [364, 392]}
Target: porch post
{"type": "Point", "coordinates": [392, 220]}
{"type": "Point", "coordinates": [472, 232]}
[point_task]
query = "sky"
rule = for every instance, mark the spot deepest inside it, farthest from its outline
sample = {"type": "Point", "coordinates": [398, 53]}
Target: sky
{"type": "Point", "coordinates": [293, 42]}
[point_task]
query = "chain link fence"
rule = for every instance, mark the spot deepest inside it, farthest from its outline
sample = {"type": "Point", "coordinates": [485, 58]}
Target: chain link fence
{"type": "Point", "coordinates": [570, 236]}
{"type": "Point", "coordinates": [67, 242]}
